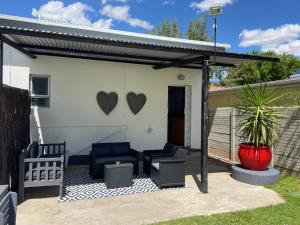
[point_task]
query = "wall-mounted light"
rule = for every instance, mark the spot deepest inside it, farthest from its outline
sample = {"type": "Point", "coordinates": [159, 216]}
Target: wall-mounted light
{"type": "Point", "coordinates": [180, 76]}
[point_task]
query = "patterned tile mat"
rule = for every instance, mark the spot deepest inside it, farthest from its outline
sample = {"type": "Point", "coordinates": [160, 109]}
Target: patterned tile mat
{"type": "Point", "coordinates": [80, 186]}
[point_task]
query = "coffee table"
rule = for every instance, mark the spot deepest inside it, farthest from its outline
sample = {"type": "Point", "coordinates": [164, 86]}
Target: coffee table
{"type": "Point", "coordinates": [118, 175]}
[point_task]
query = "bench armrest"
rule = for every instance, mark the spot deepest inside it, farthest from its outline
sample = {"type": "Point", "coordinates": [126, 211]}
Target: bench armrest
{"type": "Point", "coordinates": [136, 154]}
{"type": "Point", "coordinates": [170, 161]}
{"type": "Point", "coordinates": [161, 155]}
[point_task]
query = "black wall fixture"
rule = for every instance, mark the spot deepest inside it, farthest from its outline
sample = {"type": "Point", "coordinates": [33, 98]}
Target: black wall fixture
{"type": "Point", "coordinates": [107, 101]}
{"type": "Point", "coordinates": [136, 102]}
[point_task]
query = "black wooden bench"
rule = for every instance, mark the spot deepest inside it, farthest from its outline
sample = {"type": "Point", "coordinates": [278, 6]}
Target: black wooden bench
{"type": "Point", "coordinates": [41, 165]}
{"type": "Point", "coordinates": [8, 206]}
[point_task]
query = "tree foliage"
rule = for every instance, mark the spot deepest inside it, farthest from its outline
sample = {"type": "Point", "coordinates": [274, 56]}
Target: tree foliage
{"type": "Point", "coordinates": [198, 29]}
{"type": "Point", "coordinates": [261, 71]}
{"type": "Point", "coordinates": [167, 28]}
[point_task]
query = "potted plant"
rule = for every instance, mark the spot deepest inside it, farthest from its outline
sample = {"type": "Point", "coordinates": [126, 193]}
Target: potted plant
{"type": "Point", "coordinates": [257, 126]}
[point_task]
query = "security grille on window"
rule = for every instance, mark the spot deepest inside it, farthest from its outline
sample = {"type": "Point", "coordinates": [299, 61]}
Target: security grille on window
{"type": "Point", "coordinates": [40, 91]}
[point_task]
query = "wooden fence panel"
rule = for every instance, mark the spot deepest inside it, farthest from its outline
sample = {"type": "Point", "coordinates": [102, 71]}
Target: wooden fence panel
{"type": "Point", "coordinates": [16, 131]}
{"type": "Point", "coordinates": [224, 139]}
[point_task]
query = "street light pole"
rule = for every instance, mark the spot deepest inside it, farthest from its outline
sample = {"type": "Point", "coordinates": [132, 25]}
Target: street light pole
{"type": "Point", "coordinates": [215, 11]}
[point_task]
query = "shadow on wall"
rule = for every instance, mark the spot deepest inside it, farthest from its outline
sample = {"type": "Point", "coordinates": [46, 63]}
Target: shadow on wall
{"type": "Point", "coordinates": [287, 149]}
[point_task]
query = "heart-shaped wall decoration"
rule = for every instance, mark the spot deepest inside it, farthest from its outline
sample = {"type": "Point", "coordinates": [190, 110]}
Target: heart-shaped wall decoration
{"type": "Point", "coordinates": [107, 101]}
{"type": "Point", "coordinates": [136, 102]}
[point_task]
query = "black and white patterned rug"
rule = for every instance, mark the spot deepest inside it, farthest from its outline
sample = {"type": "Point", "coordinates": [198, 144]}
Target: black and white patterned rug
{"type": "Point", "coordinates": [80, 186]}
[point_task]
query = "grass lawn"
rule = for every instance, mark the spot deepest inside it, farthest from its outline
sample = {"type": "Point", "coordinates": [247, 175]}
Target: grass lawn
{"type": "Point", "coordinates": [283, 214]}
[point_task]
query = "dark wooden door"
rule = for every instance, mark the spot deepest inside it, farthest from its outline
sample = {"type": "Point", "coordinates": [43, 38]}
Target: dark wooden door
{"type": "Point", "coordinates": [176, 117]}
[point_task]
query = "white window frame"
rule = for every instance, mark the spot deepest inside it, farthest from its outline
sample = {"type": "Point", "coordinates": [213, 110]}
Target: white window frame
{"type": "Point", "coordinates": [40, 96]}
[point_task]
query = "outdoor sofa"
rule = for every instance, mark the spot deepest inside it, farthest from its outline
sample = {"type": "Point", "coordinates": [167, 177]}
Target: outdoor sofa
{"type": "Point", "coordinates": [41, 165]}
{"type": "Point", "coordinates": [170, 171]}
{"type": "Point", "coordinates": [109, 153]}
{"type": "Point", "coordinates": [151, 156]}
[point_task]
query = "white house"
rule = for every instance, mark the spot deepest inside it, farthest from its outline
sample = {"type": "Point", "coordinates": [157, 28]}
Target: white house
{"type": "Point", "coordinates": [65, 67]}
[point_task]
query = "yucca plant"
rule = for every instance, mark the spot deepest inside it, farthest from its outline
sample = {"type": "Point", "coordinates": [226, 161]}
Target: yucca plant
{"type": "Point", "coordinates": [258, 118]}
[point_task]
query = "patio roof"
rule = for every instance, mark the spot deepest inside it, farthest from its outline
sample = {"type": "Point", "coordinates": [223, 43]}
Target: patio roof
{"type": "Point", "coordinates": [34, 37]}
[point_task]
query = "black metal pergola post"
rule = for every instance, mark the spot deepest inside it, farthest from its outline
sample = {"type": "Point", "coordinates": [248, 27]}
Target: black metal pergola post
{"type": "Point", "coordinates": [1, 110]}
{"type": "Point", "coordinates": [204, 126]}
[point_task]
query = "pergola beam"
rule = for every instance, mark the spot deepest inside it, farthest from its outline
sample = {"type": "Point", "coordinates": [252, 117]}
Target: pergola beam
{"type": "Point", "coordinates": [106, 59]}
{"type": "Point", "coordinates": [33, 48]}
{"type": "Point", "coordinates": [18, 47]}
{"type": "Point", "coordinates": [180, 62]}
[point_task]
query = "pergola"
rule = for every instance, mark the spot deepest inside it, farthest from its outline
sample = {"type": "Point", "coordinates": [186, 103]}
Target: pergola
{"type": "Point", "coordinates": [34, 38]}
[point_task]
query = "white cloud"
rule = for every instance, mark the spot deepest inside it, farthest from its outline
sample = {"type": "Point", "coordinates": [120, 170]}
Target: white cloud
{"type": "Point", "coordinates": [104, 2]}
{"type": "Point", "coordinates": [206, 4]}
{"type": "Point", "coordinates": [285, 38]}
{"type": "Point", "coordinates": [56, 11]}
{"type": "Point", "coordinates": [121, 13]}
{"type": "Point", "coordinates": [134, 22]}
{"type": "Point", "coordinates": [167, 3]}
{"type": "Point", "coordinates": [102, 23]}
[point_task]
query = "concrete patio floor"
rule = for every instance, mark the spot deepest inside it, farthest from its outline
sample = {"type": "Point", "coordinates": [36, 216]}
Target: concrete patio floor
{"type": "Point", "coordinates": [225, 195]}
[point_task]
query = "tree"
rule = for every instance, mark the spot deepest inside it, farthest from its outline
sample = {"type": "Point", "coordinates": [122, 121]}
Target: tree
{"type": "Point", "coordinates": [168, 29]}
{"type": "Point", "coordinates": [261, 71]}
{"type": "Point", "coordinates": [198, 29]}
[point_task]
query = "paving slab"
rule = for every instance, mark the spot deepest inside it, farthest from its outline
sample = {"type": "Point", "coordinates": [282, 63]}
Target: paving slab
{"type": "Point", "coordinates": [225, 195]}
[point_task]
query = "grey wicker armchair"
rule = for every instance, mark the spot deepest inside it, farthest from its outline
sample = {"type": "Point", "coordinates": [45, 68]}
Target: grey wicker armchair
{"type": "Point", "coordinates": [170, 172]}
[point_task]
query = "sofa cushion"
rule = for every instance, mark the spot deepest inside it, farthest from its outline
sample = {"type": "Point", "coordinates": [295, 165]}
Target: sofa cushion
{"type": "Point", "coordinates": [121, 149]}
{"type": "Point", "coordinates": [101, 149]}
{"type": "Point", "coordinates": [155, 165]}
{"type": "Point", "coordinates": [105, 160]}
{"type": "Point", "coordinates": [125, 159]}
{"type": "Point", "coordinates": [180, 153]}
{"type": "Point", "coordinates": [113, 160]}
{"type": "Point", "coordinates": [170, 148]}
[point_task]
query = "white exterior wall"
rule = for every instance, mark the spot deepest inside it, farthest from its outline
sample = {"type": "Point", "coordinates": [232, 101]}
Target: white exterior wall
{"type": "Point", "coordinates": [74, 115]}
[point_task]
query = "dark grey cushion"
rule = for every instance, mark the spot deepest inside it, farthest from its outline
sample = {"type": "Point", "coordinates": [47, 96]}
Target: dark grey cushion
{"type": "Point", "coordinates": [147, 158]}
{"type": "Point", "coordinates": [125, 158]}
{"type": "Point", "coordinates": [120, 149]}
{"type": "Point", "coordinates": [180, 153]}
{"type": "Point", "coordinates": [155, 165]}
{"type": "Point", "coordinates": [105, 160]}
{"type": "Point", "coordinates": [101, 150]}
{"type": "Point", "coordinates": [113, 160]}
{"type": "Point", "coordinates": [170, 148]}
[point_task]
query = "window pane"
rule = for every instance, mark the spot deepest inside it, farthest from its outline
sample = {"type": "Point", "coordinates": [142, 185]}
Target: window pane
{"type": "Point", "coordinates": [41, 102]}
{"type": "Point", "coordinates": [40, 85]}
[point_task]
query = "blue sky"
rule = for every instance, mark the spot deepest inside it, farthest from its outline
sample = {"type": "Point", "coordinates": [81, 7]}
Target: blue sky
{"type": "Point", "coordinates": [245, 24]}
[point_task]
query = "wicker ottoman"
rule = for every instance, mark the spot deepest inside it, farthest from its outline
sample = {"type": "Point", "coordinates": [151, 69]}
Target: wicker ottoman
{"type": "Point", "coordinates": [118, 175]}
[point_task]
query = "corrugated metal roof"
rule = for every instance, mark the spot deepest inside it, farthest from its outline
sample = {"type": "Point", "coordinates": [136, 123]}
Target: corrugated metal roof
{"type": "Point", "coordinates": [40, 37]}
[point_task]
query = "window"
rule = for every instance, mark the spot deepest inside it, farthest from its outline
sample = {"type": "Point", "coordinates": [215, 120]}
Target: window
{"type": "Point", "coordinates": [40, 90]}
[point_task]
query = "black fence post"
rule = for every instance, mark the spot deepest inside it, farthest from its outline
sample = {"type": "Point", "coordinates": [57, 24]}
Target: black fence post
{"type": "Point", "coordinates": [204, 127]}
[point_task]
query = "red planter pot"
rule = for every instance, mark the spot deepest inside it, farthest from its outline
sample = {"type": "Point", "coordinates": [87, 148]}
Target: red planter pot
{"type": "Point", "coordinates": [255, 158]}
